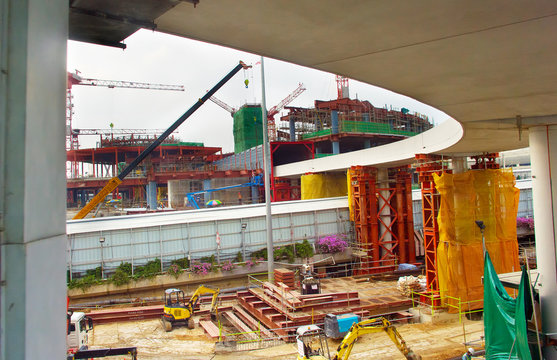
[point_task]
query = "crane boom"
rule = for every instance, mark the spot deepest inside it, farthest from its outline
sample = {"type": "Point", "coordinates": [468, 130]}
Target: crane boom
{"type": "Point", "coordinates": [287, 100]}
{"type": "Point", "coordinates": [223, 105]}
{"type": "Point", "coordinates": [117, 180]}
{"type": "Point", "coordinates": [116, 131]}
{"type": "Point", "coordinates": [373, 326]}
{"type": "Point", "coordinates": [271, 128]}
{"type": "Point", "coordinates": [76, 79]}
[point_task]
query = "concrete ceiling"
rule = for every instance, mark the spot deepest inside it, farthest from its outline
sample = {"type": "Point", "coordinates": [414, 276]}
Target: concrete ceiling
{"type": "Point", "coordinates": [482, 62]}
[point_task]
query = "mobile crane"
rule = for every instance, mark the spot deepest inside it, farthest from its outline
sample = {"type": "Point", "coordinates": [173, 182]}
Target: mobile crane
{"type": "Point", "coordinates": [176, 310]}
{"type": "Point", "coordinates": [117, 180]}
{"type": "Point", "coordinates": [306, 338]}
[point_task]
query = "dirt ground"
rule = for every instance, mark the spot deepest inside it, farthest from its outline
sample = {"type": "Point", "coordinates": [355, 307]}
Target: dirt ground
{"type": "Point", "coordinates": [431, 341]}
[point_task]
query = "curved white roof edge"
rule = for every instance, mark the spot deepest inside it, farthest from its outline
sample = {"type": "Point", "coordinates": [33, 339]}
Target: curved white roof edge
{"type": "Point", "coordinates": [400, 152]}
{"type": "Point", "coordinates": [195, 216]}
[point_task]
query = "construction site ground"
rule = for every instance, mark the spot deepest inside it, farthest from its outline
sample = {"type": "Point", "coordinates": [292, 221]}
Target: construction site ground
{"type": "Point", "coordinates": [442, 339]}
{"type": "Point", "coordinates": [431, 341]}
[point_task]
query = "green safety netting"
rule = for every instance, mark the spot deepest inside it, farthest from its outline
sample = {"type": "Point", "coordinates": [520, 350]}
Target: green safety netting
{"type": "Point", "coordinates": [505, 318]}
{"type": "Point", "coordinates": [248, 128]}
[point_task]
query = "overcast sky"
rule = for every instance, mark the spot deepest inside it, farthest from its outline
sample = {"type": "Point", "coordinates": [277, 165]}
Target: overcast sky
{"type": "Point", "coordinates": [166, 59]}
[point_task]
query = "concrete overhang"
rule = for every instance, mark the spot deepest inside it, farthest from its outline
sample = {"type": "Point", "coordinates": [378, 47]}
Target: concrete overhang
{"type": "Point", "coordinates": [483, 63]}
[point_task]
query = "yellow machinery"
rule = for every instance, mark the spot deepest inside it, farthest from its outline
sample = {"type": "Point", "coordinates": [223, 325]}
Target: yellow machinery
{"type": "Point", "coordinates": [312, 335]}
{"type": "Point", "coordinates": [368, 327]}
{"type": "Point", "coordinates": [312, 343]}
{"type": "Point", "coordinates": [176, 310]}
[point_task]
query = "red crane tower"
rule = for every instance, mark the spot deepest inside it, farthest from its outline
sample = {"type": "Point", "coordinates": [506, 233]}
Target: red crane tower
{"type": "Point", "coordinates": [72, 141]}
{"type": "Point", "coordinates": [342, 87]}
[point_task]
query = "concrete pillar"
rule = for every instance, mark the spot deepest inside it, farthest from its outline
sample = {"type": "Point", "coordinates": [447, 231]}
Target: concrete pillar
{"type": "Point", "coordinates": [335, 130]}
{"type": "Point", "coordinates": [543, 155]}
{"type": "Point", "coordinates": [292, 125]}
{"type": "Point", "coordinates": [152, 195]}
{"type": "Point", "coordinates": [385, 214]}
{"type": "Point", "coordinates": [460, 164]}
{"type": "Point", "coordinates": [206, 196]}
{"type": "Point", "coordinates": [33, 41]}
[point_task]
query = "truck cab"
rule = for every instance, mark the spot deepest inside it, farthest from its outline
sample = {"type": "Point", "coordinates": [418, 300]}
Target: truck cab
{"type": "Point", "coordinates": [78, 328]}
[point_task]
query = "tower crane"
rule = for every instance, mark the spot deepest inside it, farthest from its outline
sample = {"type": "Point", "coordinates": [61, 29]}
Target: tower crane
{"type": "Point", "coordinates": [72, 141]}
{"type": "Point", "coordinates": [271, 127]}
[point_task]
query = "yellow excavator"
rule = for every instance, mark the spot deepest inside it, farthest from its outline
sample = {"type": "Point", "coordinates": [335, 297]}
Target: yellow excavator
{"type": "Point", "coordinates": [177, 311]}
{"type": "Point", "coordinates": [312, 342]}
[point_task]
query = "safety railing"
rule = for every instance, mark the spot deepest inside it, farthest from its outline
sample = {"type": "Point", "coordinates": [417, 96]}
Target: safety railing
{"type": "Point", "coordinates": [435, 302]}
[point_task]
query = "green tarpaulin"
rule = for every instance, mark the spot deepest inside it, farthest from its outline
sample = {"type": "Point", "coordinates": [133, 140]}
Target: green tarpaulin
{"type": "Point", "coordinates": [504, 317]}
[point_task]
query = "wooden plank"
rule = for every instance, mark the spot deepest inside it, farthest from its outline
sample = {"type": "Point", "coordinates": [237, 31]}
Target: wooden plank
{"type": "Point", "coordinates": [210, 329]}
{"type": "Point", "coordinates": [240, 326]}
{"type": "Point", "coordinates": [253, 323]}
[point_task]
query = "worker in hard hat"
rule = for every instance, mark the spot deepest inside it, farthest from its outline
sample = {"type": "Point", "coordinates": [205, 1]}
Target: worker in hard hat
{"type": "Point", "coordinates": [468, 354]}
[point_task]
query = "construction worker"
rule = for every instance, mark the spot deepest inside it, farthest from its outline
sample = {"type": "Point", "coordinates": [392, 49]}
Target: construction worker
{"type": "Point", "coordinates": [468, 354]}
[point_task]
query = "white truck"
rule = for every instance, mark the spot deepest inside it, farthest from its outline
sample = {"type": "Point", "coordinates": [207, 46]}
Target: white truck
{"type": "Point", "coordinates": [77, 340]}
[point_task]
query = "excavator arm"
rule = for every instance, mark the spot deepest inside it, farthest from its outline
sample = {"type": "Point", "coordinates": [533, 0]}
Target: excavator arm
{"type": "Point", "coordinates": [201, 290]}
{"type": "Point", "coordinates": [368, 327]}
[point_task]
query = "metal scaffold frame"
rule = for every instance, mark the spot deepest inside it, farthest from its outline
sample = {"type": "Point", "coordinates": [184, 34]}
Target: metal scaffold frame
{"type": "Point", "coordinates": [427, 166]}
{"type": "Point", "coordinates": [383, 220]}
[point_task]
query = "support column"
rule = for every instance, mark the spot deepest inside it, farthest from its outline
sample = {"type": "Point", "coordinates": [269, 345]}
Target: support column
{"type": "Point", "coordinates": [385, 214]}
{"type": "Point", "coordinates": [335, 130]}
{"type": "Point", "coordinates": [460, 164]}
{"type": "Point", "coordinates": [543, 156]}
{"type": "Point", "coordinates": [33, 41]}
{"type": "Point", "coordinates": [152, 195]}
{"type": "Point", "coordinates": [292, 125]}
{"type": "Point", "coordinates": [207, 186]}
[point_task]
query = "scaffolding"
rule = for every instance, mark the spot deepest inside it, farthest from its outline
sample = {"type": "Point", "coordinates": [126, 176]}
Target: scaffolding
{"type": "Point", "coordinates": [383, 220]}
{"type": "Point", "coordinates": [354, 116]}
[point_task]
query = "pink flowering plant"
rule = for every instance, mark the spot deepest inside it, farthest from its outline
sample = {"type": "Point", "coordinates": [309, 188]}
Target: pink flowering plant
{"type": "Point", "coordinates": [201, 268]}
{"type": "Point", "coordinates": [332, 244]}
{"type": "Point", "coordinates": [525, 222]}
{"type": "Point", "coordinates": [174, 270]}
{"type": "Point", "coordinates": [228, 266]}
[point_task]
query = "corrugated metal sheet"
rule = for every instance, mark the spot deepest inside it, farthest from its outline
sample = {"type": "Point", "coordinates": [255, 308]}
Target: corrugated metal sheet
{"type": "Point", "coordinates": [138, 239]}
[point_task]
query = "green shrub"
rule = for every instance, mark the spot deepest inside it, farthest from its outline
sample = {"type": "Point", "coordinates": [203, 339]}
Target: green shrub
{"type": "Point", "coordinates": [285, 252]}
{"type": "Point", "coordinates": [84, 283]}
{"type": "Point", "coordinates": [149, 270]}
{"type": "Point", "coordinates": [304, 250]}
{"type": "Point", "coordinates": [259, 254]}
{"type": "Point", "coordinates": [183, 263]}
{"type": "Point", "coordinates": [120, 277]}
{"type": "Point", "coordinates": [125, 267]}
{"type": "Point", "coordinates": [208, 259]}
{"type": "Point", "coordinates": [96, 272]}
{"type": "Point", "coordinates": [239, 258]}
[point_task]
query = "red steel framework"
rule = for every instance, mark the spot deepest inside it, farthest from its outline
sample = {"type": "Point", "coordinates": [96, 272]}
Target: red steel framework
{"type": "Point", "coordinates": [364, 204]}
{"type": "Point", "coordinates": [427, 166]}
{"type": "Point", "coordinates": [485, 161]}
{"type": "Point", "coordinates": [388, 209]}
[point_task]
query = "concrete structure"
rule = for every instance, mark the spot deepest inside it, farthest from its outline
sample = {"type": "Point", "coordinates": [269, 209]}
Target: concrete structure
{"type": "Point", "coordinates": [488, 65]}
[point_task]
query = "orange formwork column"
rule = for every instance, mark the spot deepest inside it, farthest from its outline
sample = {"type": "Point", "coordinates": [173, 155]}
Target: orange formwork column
{"type": "Point", "coordinates": [364, 204]}
{"type": "Point", "coordinates": [427, 166]}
